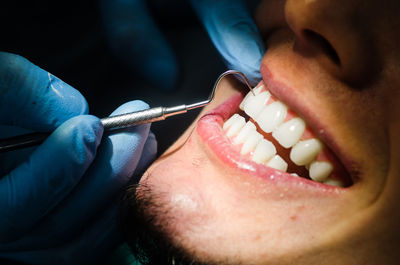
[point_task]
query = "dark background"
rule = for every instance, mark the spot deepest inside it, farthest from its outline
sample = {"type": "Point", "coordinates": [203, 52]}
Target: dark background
{"type": "Point", "coordinates": [67, 39]}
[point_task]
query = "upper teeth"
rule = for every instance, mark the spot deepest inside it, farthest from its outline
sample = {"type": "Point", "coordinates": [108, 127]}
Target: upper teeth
{"type": "Point", "coordinates": [290, 132]}
{"type": "Point", "coordinates": [270, 117]}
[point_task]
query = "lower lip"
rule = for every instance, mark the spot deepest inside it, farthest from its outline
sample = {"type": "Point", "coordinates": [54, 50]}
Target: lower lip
{"type": "Point", "coordinates": [209, 128]}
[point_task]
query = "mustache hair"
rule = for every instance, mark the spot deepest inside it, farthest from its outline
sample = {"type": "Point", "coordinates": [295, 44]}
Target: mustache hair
{"type": "Point", "coordinates": [144, 221]}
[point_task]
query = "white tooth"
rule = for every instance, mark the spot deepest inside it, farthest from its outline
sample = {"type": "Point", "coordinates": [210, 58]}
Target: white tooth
{"type": "Point", "coordinates": [290, 132]}
{"type": "Point", "coordinates": [320, 170]}
{"type": "Point", "coordinates": [294, 175]}
{"type": "Point", "coordinates": [230, 121]}
{"type": "Point", "coordinates": [333, 182]}
{"type": "Point", "coordinates": [256, 90]}
{"type": "Point", "coordinates": [277, 162]}
{"type": "Point", "coordinates": [251, 142]}
{"type": "Point", "coordinates": [271, 116]}
{"type": "Point", "coordinates": [236, 126]}
{"type": "Point", "coordinates": [244, 132]}
{"type": "Point", "coordinates": [241, 106]}
{"type": "Point", "coordinates": [265, 150]}
{"type": "Point", "coordinates": [305, 151]}
{"type": "Point", "coordinates": [255, 104]}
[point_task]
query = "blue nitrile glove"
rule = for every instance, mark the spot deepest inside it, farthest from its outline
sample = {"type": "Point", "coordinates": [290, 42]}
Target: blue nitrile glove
{"type": "Point", "coordinates": [234, 34]}
{"type": "Point", "coordinates": [134, 38]}
{"type": "Point", "coordinates": [58, 202]}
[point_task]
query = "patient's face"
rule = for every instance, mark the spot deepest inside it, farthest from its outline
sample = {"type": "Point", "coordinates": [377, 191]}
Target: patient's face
{"type": "Point", "coordinates": [314, 176]}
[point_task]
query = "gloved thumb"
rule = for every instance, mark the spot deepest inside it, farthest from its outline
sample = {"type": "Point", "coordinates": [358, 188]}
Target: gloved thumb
{"type": "Point", "coordinates": [234, 34]}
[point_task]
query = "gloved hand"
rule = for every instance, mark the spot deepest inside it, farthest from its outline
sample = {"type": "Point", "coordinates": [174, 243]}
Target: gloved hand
{"type": "Point", "coordinates": [134, 37]}
{"type": "Point", "coordinates": [58, 202]}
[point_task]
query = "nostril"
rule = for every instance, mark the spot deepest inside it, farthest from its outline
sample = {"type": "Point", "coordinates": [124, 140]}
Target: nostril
{"type": "Point", "coordinates": [320, 42]}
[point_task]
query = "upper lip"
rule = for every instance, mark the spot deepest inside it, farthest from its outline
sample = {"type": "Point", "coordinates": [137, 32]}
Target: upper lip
{"type": "Point", "coordinates": [283, 92]}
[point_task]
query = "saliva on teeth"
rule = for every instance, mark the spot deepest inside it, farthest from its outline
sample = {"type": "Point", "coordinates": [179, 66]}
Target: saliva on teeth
{"type": "Point", "coordinates": [270, 117]}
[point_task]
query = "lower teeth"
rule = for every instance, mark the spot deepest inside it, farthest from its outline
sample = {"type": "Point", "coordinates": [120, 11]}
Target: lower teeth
{"type": "Point", "coordinates": [288, 134]}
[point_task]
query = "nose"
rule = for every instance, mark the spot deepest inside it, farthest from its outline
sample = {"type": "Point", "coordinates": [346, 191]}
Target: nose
{"type": "Point", "coordinates": [334, 33]}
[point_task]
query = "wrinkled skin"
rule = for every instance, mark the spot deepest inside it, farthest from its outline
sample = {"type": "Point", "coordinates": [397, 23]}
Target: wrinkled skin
{"type": "Point", "coordinates": [340, 61]}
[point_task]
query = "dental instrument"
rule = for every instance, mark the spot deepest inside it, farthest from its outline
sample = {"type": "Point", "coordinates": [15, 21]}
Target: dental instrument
{"type": "Point", "coordinates": [124, 120]}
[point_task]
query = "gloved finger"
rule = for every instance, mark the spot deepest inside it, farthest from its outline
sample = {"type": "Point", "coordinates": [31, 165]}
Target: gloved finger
{"type": "Point", "coordinates": [234, 34]}
{"type": "Point", "coordinates": [89, 247]}
{"type": "Point", "coordinates": [34, 99]}
{"type": "Point", "coordinates": [148, 155]}
{"type": "Point", "coordinates": [116, 160]}
{"type": "Point", "coordinates": [136, 40]}
{"type": "Point", "coordinates": [35, 187]}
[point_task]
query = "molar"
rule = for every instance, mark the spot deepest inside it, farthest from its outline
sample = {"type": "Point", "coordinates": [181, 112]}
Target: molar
{"type": "Point", "coordinates": [304, 152]}
{"type": "Point", "coordinates": [320, 170]}
{"type": "Point", "coordinates": [333, 182]}
{"type": "Point", "coordinates": [290, 132]}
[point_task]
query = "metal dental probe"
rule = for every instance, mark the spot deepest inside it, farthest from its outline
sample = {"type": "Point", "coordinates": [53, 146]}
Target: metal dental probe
{"type": "Point", "coordinates": [123, 120]}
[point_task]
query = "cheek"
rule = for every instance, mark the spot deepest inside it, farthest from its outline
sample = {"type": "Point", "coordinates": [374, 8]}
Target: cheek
{"type": "Point", "coordinates": [178, 184]}
{"type": "Point", "coordinates": [205, 209]}
{"type": "Point", "coordinates": [201, 209]}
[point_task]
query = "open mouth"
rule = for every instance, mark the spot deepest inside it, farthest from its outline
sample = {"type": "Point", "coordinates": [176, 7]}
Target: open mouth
{"type": "Point", "coordinates": [260, 133]}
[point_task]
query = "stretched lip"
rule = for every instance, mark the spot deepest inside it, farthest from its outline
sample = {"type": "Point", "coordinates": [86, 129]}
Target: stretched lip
{"type": "Point", "coordinates": [209, 128]}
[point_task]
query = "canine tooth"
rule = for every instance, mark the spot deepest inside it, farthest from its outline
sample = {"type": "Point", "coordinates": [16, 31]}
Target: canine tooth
{"type": "Point", "coordinates": [265, 150]}
{"type": "Point", "coordinates": [320, 170]}
{"type": "Point", "coordinates": [251, 142]}
{"type": "Point", "coordinates": [256, 90]}
{"type": "Point", "coordinates": [271, 116]}
{"type": "Point", "coordinates": [277, 162]}
{"type": "Point", "coordinates": [290, 132]}
{"type": "Point", "coordinates": [333, 182]}
{"type": "Point", "coordinates": [230, 121]}
{"type": "Point", "coordinates": [236, 126]}
{"type": "Point", "coordinates": [305, 151]}
{"type": "Point", "coordinates": [244, 132]}
{"type": "Point", "coordinates": [255, 104]}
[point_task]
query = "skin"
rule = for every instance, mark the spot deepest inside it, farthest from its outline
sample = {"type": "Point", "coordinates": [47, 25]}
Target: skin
{"type": "Point", "coordinates": [217, 213]}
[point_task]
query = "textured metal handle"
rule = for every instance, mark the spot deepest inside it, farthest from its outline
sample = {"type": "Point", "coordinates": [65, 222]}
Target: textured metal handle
{"type": "Point", "coordinates": [134, 118]}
